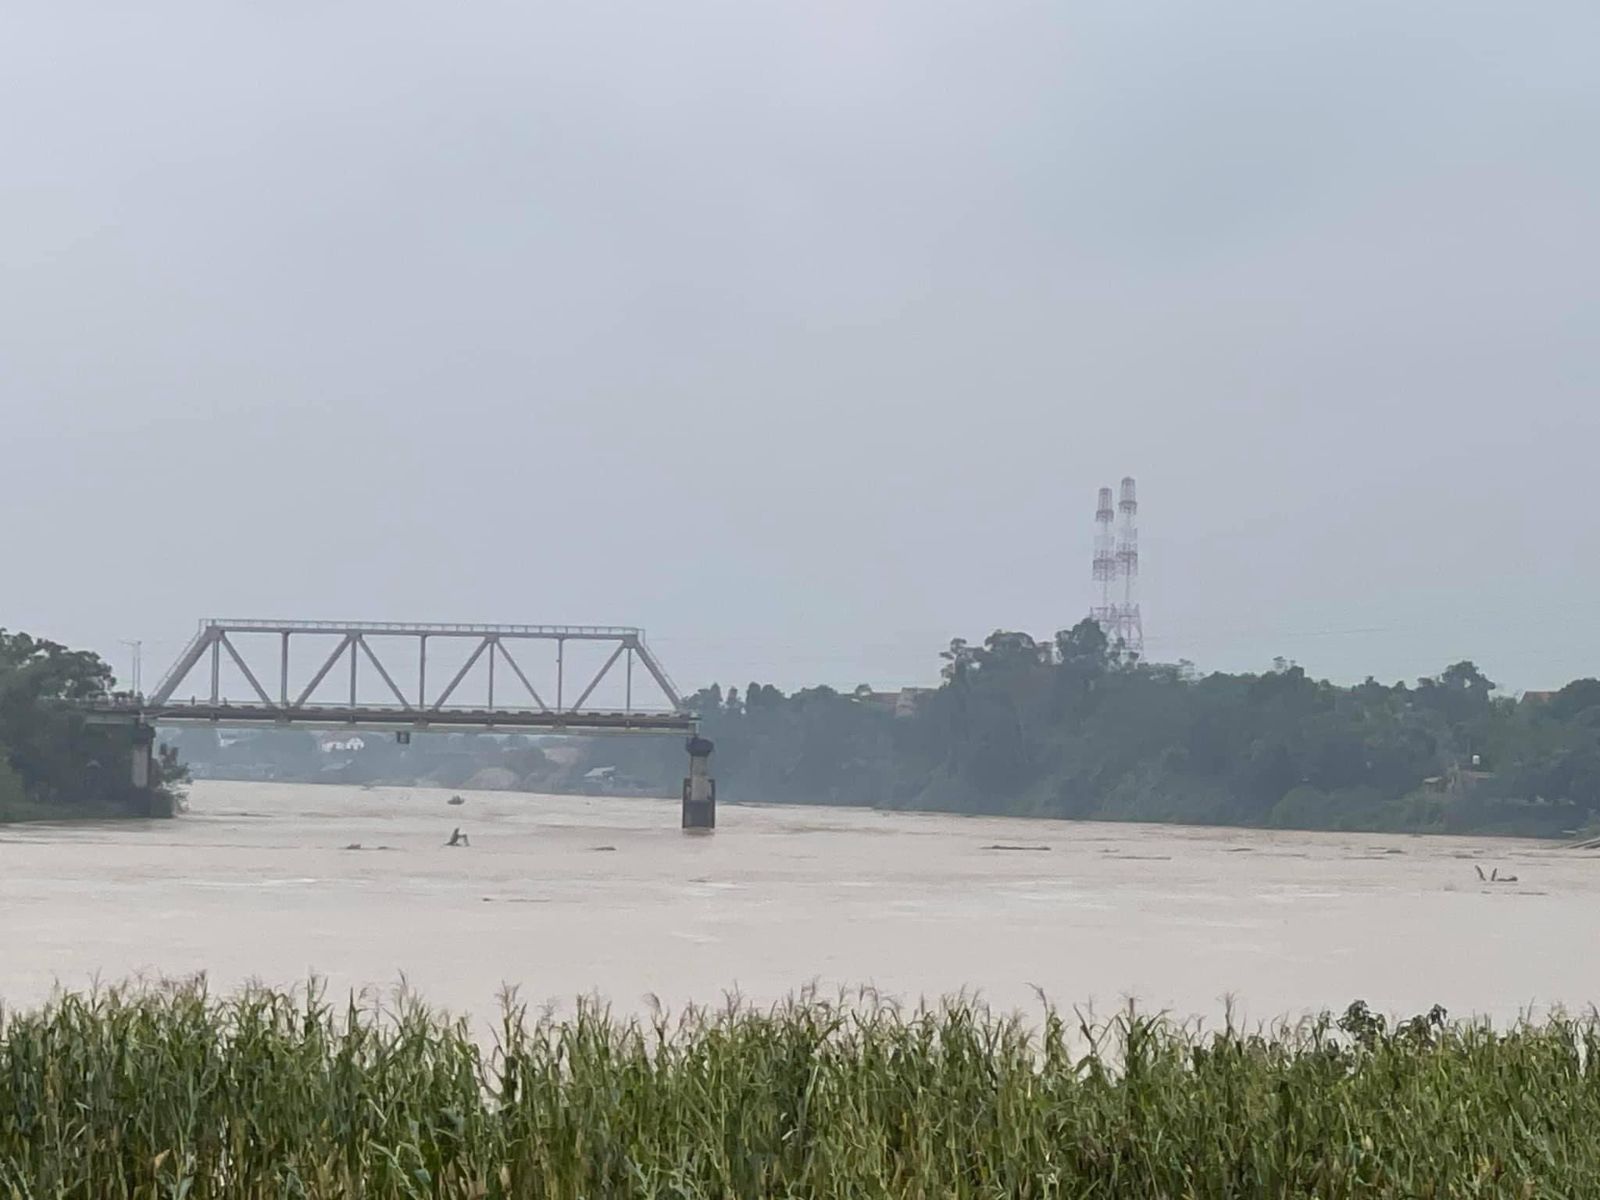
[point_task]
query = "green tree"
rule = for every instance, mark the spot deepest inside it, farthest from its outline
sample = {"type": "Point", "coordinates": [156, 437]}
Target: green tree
{"type": "Point", "coordinates": [60, 763]}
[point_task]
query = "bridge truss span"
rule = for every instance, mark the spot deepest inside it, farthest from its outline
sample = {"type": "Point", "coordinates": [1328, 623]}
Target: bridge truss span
{"type": "Point", "coordinates": [381, 673]}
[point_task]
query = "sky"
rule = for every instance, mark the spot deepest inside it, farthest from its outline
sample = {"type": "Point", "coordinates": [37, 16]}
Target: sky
{"type": "Point", "coordinates": [802, 335]}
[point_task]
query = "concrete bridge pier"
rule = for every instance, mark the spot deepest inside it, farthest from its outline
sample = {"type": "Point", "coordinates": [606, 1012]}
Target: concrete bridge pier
{"type": "Point", "coordinates": [144, 776]}
{"type": "Point", "coordinates": [699, 789]}
{"type": "Point", "coordinates": [144, 741]}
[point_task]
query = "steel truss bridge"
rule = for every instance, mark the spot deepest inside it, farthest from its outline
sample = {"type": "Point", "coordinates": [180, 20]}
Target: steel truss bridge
{"type": "Point", "coordinates": [239, 655]}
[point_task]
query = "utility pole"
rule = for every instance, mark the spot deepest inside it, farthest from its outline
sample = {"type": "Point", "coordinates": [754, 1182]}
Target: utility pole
{"type": "Point", "coordinates": [138, 662]}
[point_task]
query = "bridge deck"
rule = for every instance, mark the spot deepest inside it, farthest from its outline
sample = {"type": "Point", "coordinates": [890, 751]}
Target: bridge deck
{"type": "Point", "coordinates": [377, 716]}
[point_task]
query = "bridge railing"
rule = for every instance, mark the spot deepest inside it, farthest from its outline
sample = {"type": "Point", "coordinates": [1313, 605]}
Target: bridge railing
{"type": "Point", "coordinates": [434, 629]}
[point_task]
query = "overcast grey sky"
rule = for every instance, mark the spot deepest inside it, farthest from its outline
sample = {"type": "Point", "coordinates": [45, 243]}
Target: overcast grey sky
{"type": "Point", "coordinates": [803, 334]}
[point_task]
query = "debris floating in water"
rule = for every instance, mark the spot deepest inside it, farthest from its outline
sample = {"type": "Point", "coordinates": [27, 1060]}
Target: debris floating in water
{"type": "Point", "coordinates": [457, 838]}
{"type": "Point", "coordinates": [1005, 846]}
{"type": "Point", "coordinates": [455, 800]}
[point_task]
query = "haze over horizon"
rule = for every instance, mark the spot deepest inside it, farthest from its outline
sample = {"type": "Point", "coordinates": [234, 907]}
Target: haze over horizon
{"type": "Point", "coordinates": [802, 336]}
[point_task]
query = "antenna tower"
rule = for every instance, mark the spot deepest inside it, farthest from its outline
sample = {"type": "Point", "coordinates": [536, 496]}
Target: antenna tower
{"type": "Point", "coordinates": [1116, 556]}
{"type": "Point", "coordinates": [1105, 561]}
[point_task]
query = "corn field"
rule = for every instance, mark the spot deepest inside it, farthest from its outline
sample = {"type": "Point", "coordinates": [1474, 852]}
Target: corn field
{"type": "Point", "coordinates": [173, 1092]}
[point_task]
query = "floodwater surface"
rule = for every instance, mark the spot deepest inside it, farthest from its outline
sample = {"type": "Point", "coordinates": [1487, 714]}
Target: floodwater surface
{"type": "Point", "coordinates": [562, 896]}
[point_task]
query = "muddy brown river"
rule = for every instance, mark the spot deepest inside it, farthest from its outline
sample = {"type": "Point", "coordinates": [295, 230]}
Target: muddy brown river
{"type": "Point", "coordinates": [568, 895]}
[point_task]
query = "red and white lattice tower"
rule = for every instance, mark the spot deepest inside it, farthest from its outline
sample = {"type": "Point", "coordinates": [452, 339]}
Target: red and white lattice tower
{"type": "Point", "coordinates": [1132, 629]}
{"type": "Point", "coordinates": [1105, 562]}
{"type": "Point", "coordinates": [1116, 557]}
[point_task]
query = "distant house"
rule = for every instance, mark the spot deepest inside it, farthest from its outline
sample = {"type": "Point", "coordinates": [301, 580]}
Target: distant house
{"type": "Point", "coordinates": [343, 746]}
{"type": "Point", "coordinates": [902, 702]}
{"type": "Point", "coordinates": [1455, 781]}
{"type": "Point", "coordinates": [565, 753]}
{"type": "Point", "coordinates": [906, 702]}
{"type": "Point", "coordinates": [1538, 697]}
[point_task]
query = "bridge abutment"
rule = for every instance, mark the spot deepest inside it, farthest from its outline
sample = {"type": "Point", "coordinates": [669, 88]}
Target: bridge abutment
{"type": "Point", "coordinates": [699, 789]}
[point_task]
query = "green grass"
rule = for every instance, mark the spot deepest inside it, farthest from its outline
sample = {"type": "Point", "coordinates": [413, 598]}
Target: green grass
{"type": "Point", "coordinates": [175, 1093]}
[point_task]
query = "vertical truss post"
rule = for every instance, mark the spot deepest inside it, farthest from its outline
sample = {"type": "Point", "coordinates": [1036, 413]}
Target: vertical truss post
{"type": "Point", "coordinates": [422, 671]}
{"type": "Point", "coordinates": [355, 640]}
{"type": "Point", "coordinates": [492, 657]}
{"type": "Point", "coordinates": [561, 658]}
{"type": "Point", "coordinates": [627, 700]}
{"type": "Point", "coordinates": [283, 674]}
{"type": "Point", "coordinates": [216, 669]}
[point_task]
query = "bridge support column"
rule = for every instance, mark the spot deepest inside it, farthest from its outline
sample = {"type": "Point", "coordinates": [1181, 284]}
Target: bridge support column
{"type": "Point", "coordinates": [143, 775]}
{"type": "Point", "coordinates": [699, 789]}
{"type": "Point", "coordinates": [144, 739]}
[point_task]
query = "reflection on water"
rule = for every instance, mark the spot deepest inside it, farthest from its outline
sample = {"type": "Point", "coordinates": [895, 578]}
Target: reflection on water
{"type": "Point", "coordinates": [568, 895]}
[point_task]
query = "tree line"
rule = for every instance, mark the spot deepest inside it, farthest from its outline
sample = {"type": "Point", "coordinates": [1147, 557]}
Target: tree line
{"type": "Point", "coordinates": [1070, 726]}
{"type": "Point", "coordinates": [1075, 727]}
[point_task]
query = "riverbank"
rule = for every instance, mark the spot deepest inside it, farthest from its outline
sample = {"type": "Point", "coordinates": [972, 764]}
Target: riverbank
{"type": "Point", "coordinates": [22, 811]}
{"type": "Point", "coordinates": [176, 1091]}
{"type": "Point", "coordinates": [158, 805]}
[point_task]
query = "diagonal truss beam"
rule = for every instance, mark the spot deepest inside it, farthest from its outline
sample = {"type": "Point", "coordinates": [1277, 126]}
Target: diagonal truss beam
{"type": "Point", "coordinates": [187, 661]}
{"type": "Point", "coordinates": [601, 674]}
{"type": "Point", "coordinates": [512, 663]}
{"type": "Point", "coordinates": [250, 676]}
{"type": "Point", "coordinates": [322, 672]}
{"type": "Point", "coordinates": [373, 659]}
{"type": "Point", "coordinates": [656, 673]}
{"type": "Point", "coordinates": [472, 659]}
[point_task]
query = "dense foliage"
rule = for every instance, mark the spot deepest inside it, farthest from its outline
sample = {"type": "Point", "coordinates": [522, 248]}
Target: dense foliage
{"type": "Point", "coordinates": [176, 1094]}
{"type": "Point", "coordinates": [1072, 728]}
{"type": "Point", "coordinates": [53, 763]}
